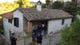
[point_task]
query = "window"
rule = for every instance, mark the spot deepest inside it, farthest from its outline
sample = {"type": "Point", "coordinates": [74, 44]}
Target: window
{"type": "Point", "coordinates": [63, 21]}
{"type": "Point", "coordinates": [16, 22]}
{"type": "Point", "coordinates": [10, 20]}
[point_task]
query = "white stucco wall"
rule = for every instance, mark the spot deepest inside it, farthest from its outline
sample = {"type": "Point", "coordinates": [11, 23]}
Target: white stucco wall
{"type": "Point", "coordinates": [67, 0]}
{"type": "Point", "coordinates": [7, 27]}
{"type": "Point", "coordinates": [10, 26]}
{"type": "Point", "coordinates": [56, 25]}
{"type": "Point", "coordinates": [63, 0]}
{"type": "Point", "coordinates": [19, 15]}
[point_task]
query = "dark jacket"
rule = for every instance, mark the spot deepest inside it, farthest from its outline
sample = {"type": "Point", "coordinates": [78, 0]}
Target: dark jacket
{"type": "Point", "coordinates": [39, 39]}
{"type": "Point", "coordinates": [34, 36]}
{"type": "Point", "coordinates": [13, 41]}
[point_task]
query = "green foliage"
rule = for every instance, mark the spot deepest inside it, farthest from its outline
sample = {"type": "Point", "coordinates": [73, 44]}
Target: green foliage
{"type": "Point", "coordinates": [71, 36]}
{"type": "Point", "coordinates": [24, 3]}
{"type": "Point", "coordinates": [43, 5]}
{"type": "Point", "coordinates": [70, 7]}
{"type": "Point", "coordinates": [1, 44]}
{"type": "Point", "coordinates": [57, 5]}
{"type": "Point", "coordinates": [1, 29]}
{"type": "Point", "coordinates": [19, 2]}
{"type": "Point", "coordinates": [78, 10]}
{"type": "Point", "coordinates": [47, 2]}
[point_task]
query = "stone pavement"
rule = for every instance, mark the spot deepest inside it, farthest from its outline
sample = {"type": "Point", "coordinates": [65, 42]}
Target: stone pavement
{"type": "Point", "coordinates": [54, 40]}
{"type": "Point", "coordinates": [46, 41]}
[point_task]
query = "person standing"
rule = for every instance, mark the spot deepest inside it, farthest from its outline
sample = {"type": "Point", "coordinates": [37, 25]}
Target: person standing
{"type": "Point", "coordinates": [34, 35]}
{"type": "Point", "coordinates": [39, 39]}
{"type": "Point", "coordinates": [39, 35]}
{"type": "Point", "coordinates": [13, 39]}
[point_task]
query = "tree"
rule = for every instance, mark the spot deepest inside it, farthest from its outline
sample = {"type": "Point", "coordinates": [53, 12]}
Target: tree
{"type": "Point", "coordinates": [6, 7]}
{"type": "Point", "coordinates": [24, 3]}
{"type": "Point", "coordinates": [57, 5]}
{"type": "Point", "coordinates": [71, 36]}
{"type": "Point", "coordinates": [19, 2]}
{"type": "Point", "coordinates": [70, 7]}
{"type": "Point", "coordinates": [47, 3]}
{"type": "Point", "coordinates": [78, 10]}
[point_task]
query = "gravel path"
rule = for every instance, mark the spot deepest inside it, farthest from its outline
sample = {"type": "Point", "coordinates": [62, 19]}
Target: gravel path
{"type": "Point", "coordinates": [54, 40]}
{"type": "Point", "coordinates": [46, 41]}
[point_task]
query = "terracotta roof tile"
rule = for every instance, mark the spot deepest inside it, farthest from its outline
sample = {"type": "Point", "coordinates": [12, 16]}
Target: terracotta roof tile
{"type": "Point", "coordinates": [8, 15]}
{"type": "Point", "coordinates": [45, 14]}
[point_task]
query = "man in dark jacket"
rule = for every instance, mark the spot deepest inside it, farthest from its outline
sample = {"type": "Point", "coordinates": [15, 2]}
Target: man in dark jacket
{"type": "Point", "coordinates": [39, 39]}
{"type": "Point", "coordinates": [34, 35]}
{"type": "Point", "coordinates": [39, 36]}
{"type": "Point", "coordinates": [13, 39]}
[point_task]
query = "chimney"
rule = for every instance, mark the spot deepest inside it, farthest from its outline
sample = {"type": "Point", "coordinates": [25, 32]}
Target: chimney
{"type": "Point", "coordinates": [39, 7]}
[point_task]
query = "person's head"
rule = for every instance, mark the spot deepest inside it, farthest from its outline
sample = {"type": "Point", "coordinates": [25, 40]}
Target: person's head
{"type": "Point", "coordinates": [43, 25]}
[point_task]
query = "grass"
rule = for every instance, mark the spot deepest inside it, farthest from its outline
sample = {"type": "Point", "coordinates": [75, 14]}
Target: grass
{"type": "Point", "coordinates": [0, 17]}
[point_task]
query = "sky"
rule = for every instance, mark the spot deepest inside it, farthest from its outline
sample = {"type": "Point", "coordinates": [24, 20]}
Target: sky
{"type": "Point", "coordinates": [13, 0]}
{"type": "Point", "coordinates": [6, 1]}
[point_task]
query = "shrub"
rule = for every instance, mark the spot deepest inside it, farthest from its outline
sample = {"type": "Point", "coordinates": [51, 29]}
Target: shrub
{"type": "Point", "coordinates": [71, 36]}
{"type": "Point", "coordinates": [57, 5]}
{"type": "Point", "coordinates": [78, 10]}
{"type": "Point", "coordinates": [43, 5]}
{"type": "Point", "coordinates": [47, 2]}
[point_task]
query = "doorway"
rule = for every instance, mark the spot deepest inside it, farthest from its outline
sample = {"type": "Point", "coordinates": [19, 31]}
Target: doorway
{"type": "Point", "coordinates": [42, 24]}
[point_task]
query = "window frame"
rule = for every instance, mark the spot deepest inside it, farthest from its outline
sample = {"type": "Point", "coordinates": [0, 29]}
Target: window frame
{"type": "Point", "coordinates": [10, 21]}
{"type": "Point", "coordinates": [63, 20]}
{"type": "Point", "coordinates": [16, 22]}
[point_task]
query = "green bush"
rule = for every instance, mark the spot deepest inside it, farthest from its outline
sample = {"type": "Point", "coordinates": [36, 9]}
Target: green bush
{"type": "Point", "coordinates": [47, 2]}
{"type": "Point", "coordinates": [43, 5]}
{"type": "Point", "coordinates": [71, 36]}
{"type": "Point", "coordinates": [78, 10]}
{"type": "Point", "coordinates": [57, 5]}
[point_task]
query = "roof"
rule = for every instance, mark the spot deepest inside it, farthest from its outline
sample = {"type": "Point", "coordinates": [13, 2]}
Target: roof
{"type": "Point", "coordinates": [8, 15]}
{"type": "Point", "coordinates": [46, 14]}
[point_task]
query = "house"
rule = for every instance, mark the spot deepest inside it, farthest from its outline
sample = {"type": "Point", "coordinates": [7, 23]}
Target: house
{"type": "Point", "coordinates": [27, 19]}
